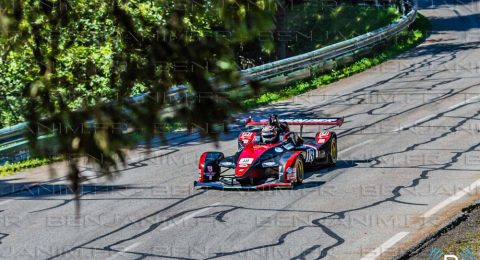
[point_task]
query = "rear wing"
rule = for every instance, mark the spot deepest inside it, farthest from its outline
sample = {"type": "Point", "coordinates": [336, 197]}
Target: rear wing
{"type": "Point", "coordinates": [333, 121]}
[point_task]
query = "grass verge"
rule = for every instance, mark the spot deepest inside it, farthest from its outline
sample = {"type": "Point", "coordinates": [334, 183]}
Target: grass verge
{"type": "Point", "coordinates": [407, 39]}
{"type": "Point", "coordinates": [11, 168]}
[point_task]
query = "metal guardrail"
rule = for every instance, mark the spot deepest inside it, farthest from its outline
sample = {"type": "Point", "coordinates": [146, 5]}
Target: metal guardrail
{"type": "Point", "coordinates": [286, 70]}
{"type": "Point", "coordinates": [320, 56]}
{"type": "Point", "coordinates": [12, 134]}
{"type": "Point", "coordinates": [282, 67]}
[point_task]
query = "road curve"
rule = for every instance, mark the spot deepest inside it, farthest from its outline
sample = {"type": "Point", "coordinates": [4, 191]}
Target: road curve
{"type": "Point", "coordinates": [409, 160]}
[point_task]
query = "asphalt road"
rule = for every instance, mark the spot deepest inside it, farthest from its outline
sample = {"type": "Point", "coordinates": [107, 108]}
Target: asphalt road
{"type": "Point", "coordinates": [409, 160]}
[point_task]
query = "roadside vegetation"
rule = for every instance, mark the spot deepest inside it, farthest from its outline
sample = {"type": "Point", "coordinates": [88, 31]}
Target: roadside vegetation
{"type": "Point", "coordinates": [406, 40]}
{"type": "Point", "coordinates": [9, 169]}
{"type": "Point", "coordinates": [315, 24]}
{"type": "Point", "coordinates": [322, 26]}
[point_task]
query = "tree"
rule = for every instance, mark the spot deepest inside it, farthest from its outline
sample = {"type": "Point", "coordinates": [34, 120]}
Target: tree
{"type": "Point", "coordinates": [280, 28]}
{"type": "Point", "coordinates": [90, 57]}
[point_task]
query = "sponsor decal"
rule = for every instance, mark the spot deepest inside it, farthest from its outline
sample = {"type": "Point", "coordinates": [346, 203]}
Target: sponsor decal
{"type": "Point", "coordinates": [245, 161]}
{"type": "Point", "coordinates": [243, 165]}
{"type": "Point", "coordinates": [209, 168]}
{"type": "Point", "coordinates": [246, 135]}
{"type": "Point", "coordinates": [299, 121]}
{"type": "Point", "coordinates": [210, 175]}
{"type": "Point", "coordinates": [319, 120]}
{"type": "Point", "coordinates": [293, 175]}
{"type": "Point", "coordinates": [322, 137]}
{"type": "Point", "coordinates": [278, 149]}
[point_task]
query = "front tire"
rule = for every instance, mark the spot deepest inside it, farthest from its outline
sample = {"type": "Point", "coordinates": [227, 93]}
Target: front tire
{"type": "Point", "coordinates": [300, 170]}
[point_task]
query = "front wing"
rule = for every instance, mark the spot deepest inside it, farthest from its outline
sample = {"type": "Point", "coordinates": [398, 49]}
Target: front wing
{"type": "Point", "coordinates": [223, 186]}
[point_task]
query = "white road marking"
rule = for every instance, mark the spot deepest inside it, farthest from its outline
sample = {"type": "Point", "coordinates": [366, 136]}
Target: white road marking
{"type": "Point", "coordinates": [451, 199]}
{"type": "Point", "coordinates": [385, 246]}
{"type": "Point", "coordinates": [416, 122]}
{"type": "Point", "coordinates": [5, 202]}
{"type": "Point", "coordinates": [434, 115]}
{"type": "Point", "coordinates": [188, 217]}
{"type": "Point", "coordinates": [128, 248]}
{"type": "Point", "coordinates": [355, 146]}
{"type": "Point", "coordinates": [464, 102]}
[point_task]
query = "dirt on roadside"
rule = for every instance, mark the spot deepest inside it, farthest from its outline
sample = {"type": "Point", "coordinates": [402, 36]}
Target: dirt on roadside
{"type": "Point", "coordinates": [461, 236]}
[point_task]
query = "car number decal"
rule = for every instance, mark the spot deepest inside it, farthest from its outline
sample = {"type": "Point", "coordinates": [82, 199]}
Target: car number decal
{"type": "Point", "coordinates": [312, 153]}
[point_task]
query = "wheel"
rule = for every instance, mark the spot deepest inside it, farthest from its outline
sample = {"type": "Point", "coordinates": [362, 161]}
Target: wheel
{"type": "Point", "coordinates": [332, 155]}
{"type": "Point", "coordinates": [299, 167]}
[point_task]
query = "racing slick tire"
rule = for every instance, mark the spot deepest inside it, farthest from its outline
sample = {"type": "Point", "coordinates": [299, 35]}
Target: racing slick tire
{"type": "Point", "coordinates": [332, 153]}
{"type": "Point", "coordinates": [300, 170]}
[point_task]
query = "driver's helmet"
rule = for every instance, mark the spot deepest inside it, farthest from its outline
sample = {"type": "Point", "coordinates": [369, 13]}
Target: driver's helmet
{"type": "Point", "coordinates": [269, 134]}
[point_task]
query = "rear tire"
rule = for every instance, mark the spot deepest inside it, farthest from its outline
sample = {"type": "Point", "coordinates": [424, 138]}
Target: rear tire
{"type": "Point", "coordinates": [332, 153]}
{"type": "Point", "coordinates": [300, 170]}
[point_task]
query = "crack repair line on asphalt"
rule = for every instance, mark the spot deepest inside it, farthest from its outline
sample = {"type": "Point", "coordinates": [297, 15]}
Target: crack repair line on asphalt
{"type": "Point", "coordinates": [175, 223]}
{"type": "Point", "coordinates": [434, 115]}
{"type": "Point", "coordinates": [451, 199]}
{"type": "Point", "coordinates": [130, 247]}
{"type": "Point", "coordinates": [385, 246]}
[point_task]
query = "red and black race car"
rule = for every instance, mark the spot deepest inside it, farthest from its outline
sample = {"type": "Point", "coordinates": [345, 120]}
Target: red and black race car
{"type": "Point", "coordinates": [270, 155]}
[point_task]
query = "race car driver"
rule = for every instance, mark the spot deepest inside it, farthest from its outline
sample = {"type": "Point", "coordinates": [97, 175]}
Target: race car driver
{"type": "Point", "coordinates": [271, 133]}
